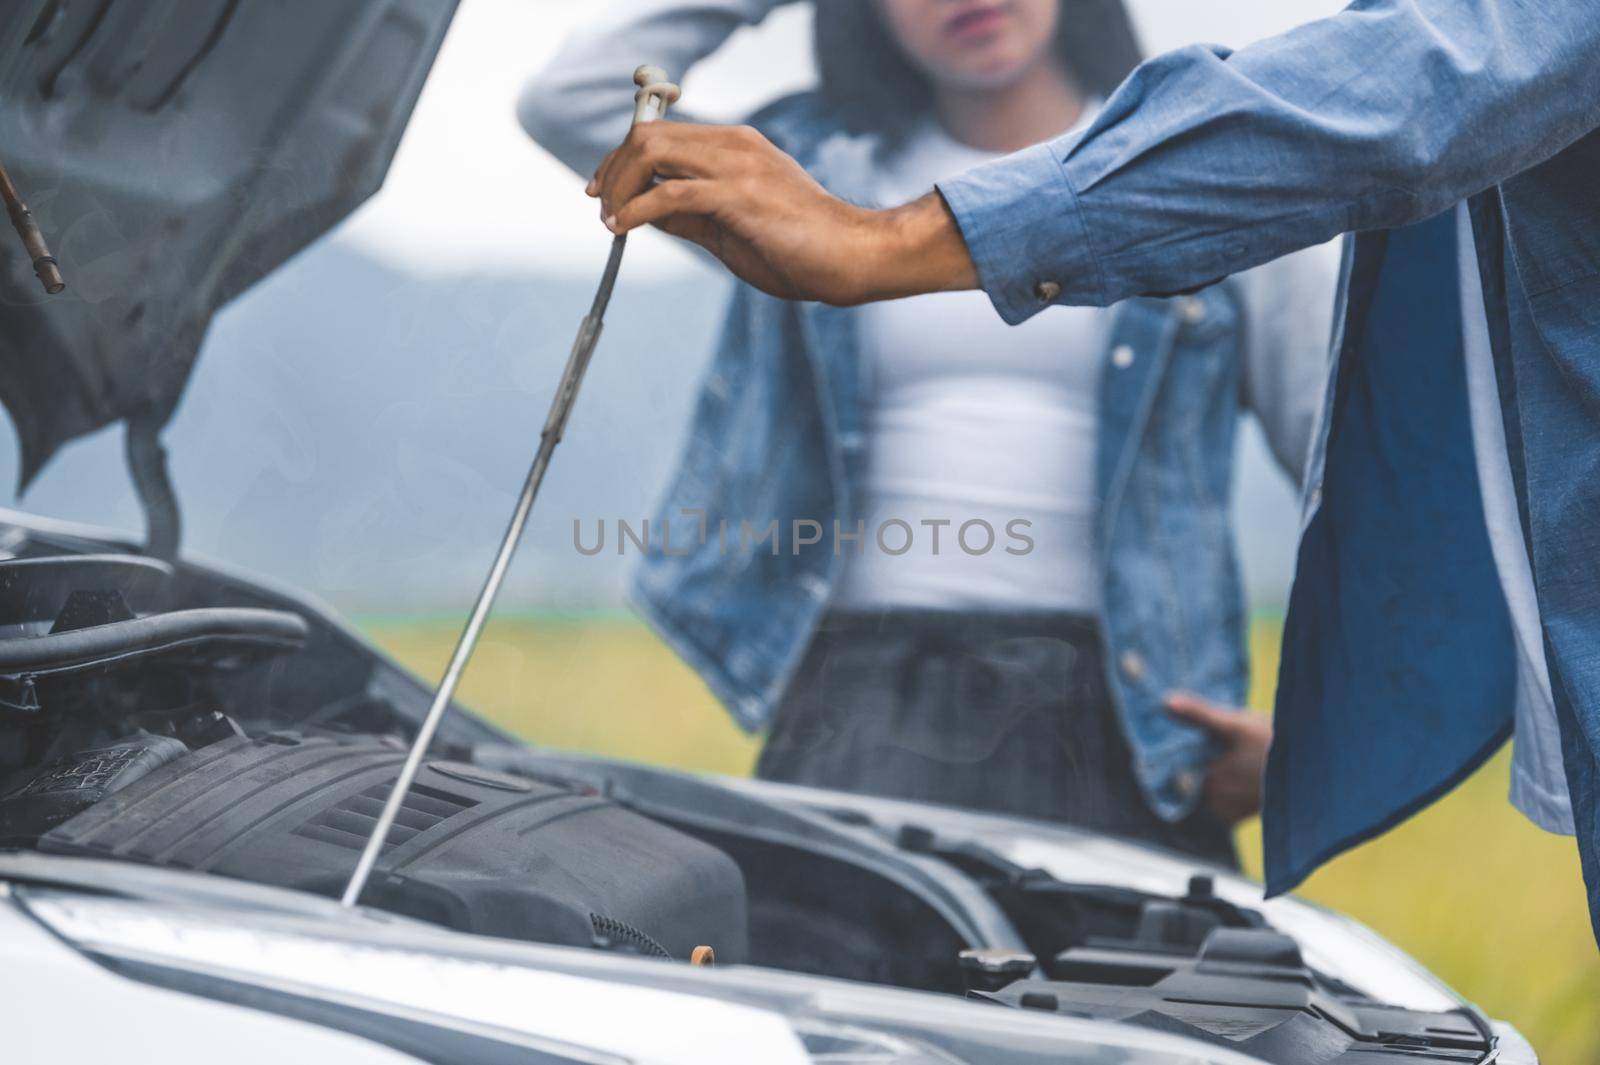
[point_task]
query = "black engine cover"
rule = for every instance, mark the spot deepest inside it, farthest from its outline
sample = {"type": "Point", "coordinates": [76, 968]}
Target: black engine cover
{"type": "Point", "coordinates": [472, 849]}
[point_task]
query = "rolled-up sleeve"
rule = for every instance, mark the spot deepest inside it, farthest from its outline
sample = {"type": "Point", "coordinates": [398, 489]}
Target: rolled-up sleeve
{"type": "Point", "coordinates": [1208, 162]}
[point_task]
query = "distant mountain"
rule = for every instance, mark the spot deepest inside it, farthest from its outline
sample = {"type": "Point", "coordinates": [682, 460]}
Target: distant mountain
{"type": "Point", "coordinates": [363, 432]}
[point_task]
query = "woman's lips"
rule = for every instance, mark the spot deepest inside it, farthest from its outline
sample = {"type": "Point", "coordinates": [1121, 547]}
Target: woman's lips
{"type": "Point", "coordinates": [975, 23]}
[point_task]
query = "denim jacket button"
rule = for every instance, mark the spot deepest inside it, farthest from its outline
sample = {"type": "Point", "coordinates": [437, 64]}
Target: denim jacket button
{"type": "Point", "coordinates": [1133, 666]}
{"type": "Point", "coordinates": [1047, 291]}
{"type": "Point", "coordinates": [1193, 310]}
{"type": "Point", "coordinates": [1122, 356]}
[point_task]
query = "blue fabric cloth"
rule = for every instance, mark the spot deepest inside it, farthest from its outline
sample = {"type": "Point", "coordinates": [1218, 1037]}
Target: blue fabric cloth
{"type": "Point", "coordinates": [1208, 161]}
{"type": "Point", "coordinates": [1398, 670]}
{"type": "Point", "coordinates": [1383, 116]}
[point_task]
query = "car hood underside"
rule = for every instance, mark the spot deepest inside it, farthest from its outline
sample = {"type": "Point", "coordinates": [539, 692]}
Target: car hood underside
{"type": "Point", "coordinates": [174, 152]}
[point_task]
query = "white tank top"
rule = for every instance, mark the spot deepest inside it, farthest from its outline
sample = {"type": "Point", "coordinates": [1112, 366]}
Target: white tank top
{"type": "Point", "coordinates": [981, 425]}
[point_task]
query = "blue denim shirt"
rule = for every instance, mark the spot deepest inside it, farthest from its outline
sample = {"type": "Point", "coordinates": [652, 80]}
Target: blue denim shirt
{"type": "Point", "coordinates": [778, 435]}
{"type": "Point", "coordinates": [1379, 118]}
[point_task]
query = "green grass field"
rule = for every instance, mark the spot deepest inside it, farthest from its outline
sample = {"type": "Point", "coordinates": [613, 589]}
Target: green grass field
{"type": "Point", "coordinates": [1491, 903]}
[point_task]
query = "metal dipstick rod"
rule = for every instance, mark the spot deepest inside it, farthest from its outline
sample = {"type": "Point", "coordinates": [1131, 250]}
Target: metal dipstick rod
{"type": "Point", "coordinates": [655, 95]}
{"type": "Point", "coordinates": [44, 264]}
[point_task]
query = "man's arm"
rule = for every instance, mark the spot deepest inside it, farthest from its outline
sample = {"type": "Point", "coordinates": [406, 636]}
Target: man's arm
{"type": "Point", "coordinates": [1204, 164]}
{"type": "Point", "coordinates": [727, 189]}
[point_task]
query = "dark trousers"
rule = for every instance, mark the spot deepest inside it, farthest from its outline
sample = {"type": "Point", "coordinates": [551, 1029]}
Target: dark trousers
{"type": "Point", "coordinates": [995, 712]}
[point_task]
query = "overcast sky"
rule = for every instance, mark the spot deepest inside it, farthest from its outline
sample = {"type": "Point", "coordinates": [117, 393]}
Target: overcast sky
{"type": "Point", "coordinates": [512, 206]}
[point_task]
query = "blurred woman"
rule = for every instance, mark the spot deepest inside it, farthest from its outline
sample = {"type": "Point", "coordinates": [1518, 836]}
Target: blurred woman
{"type": "Point", "coordinates": [937, 557]}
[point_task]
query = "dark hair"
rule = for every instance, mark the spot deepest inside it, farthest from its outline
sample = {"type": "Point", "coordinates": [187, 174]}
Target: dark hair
{"type": "Point", "coordinates": [875, 86]}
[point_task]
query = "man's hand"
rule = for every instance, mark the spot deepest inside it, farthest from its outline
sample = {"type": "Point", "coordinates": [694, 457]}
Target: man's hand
{"type": "Point", "coordinates": [728, 189]}
{"type": "Point", "coordinates": [1233, 780]}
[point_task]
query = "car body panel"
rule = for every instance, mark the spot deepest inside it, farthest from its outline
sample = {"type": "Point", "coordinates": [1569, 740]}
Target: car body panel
{"type": "Point", "coordinates": [412, 971]}
{"type": "Point", "coordinates": [45, 986]}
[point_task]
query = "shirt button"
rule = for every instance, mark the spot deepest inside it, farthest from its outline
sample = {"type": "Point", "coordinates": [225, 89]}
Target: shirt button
{"type": "Point", "coordinates": [1193, 310]}
{"type": "Point", "coordinates": [1047, 290]}
{"type": "Point", "coordinates": [1133, 666]}
{"type": "Point", "coordinates": [1122, 356]}
{"type": "Point", "coordinates": [1187, 782]}
{"type": "Point", "coordinates": [1316, 497]}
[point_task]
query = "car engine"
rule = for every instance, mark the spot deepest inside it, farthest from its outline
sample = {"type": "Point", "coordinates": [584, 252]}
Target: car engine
{"type": "Point", "coordinates": [169, 715]}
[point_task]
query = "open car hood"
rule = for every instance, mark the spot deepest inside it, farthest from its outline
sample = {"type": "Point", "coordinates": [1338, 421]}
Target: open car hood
{"type": "Point", "coordinates": [174, 152]}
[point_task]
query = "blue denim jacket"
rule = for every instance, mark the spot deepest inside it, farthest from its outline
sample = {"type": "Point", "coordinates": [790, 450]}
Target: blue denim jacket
{"type": "Point", "coordinates": [779, 435]}
{"type": "Point", "coordinates": [778, 431]}
{"type": "Point", "coordinates": [1379, 118]}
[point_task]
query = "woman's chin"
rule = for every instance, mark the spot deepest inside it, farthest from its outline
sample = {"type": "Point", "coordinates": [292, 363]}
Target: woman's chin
{"type": "Point", "coordinates": [987, 76]}
{"type": "Point", "coordinates": [991, 65]}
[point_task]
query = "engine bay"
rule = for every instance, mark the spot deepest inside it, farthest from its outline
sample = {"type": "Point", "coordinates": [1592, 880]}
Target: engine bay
{"type": "Point", "coordinates": [173, 716]}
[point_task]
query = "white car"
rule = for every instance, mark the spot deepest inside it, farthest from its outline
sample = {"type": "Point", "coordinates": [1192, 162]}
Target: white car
{"type": "Point", "coordinates": [191, 761]}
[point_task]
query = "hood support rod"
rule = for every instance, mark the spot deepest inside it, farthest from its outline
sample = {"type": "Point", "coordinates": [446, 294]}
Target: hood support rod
{"type": "Point", "coordinates": [44, 264]}
{"type": "Point", "coordinates": [655, 95]}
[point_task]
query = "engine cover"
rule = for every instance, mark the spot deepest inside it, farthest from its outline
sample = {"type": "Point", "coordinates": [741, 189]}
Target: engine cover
{"type": "Point", "coordinates": [473, 849]}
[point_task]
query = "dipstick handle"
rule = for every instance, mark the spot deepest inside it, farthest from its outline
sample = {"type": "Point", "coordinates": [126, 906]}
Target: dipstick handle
{"type": "Point", "coordinates": [655, 94]}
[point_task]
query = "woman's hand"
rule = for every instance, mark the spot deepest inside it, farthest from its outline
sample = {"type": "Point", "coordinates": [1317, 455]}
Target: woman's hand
{"type": "Point", "coordinates": [1233, 780]}
{"type": "Point", "coordinates": [731, 191]}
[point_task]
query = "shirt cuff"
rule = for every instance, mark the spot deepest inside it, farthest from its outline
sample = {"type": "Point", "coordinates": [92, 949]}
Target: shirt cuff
{"type": "Point", "coordinates": [1025, 232]}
